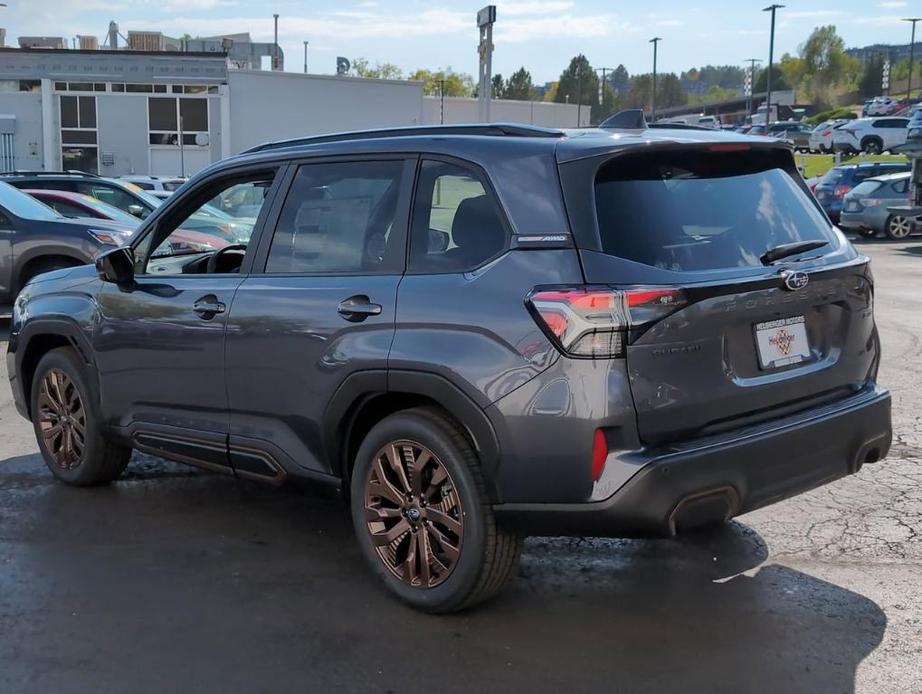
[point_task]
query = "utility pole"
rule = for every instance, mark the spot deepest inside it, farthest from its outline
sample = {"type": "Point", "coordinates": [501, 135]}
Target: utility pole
{"type": "Point", "coordinates": [912, 52]}
{"type": "Point", "coordinates": [771, 56]}
{"type": "Point", "coordinates": [305, 56]}
{"type": "Point", "coordinates": [602, 90]}
{"type": "Point", "coordinates": [275, 44]}
{"type": "Point", "coordinates": [655, 41]}
{"type": "Point", "coordinates": [486, 17]}
{"type": "Point", "coordinates": [442, 101]}
{"type": "Point", "coordinates": [752, 85]}
{"type": "Point", "coordinates": [579, 93]}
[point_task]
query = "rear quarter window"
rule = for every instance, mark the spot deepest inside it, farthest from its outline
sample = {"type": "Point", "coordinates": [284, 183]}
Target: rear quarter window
{"type": "Point", "coordinates": [866, 187]}
{"type": "Point", "coordinates": [694, 211]}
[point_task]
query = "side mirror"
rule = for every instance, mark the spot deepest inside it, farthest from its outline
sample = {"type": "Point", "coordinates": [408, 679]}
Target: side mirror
{"type": "Point", "coordinates": [116, 266]}
{"type": "Point", "coordinates": [137, 211]}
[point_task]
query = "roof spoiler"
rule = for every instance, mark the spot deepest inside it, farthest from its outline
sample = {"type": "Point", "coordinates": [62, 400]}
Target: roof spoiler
{"type": "Point", "coordinates": [631, 119]}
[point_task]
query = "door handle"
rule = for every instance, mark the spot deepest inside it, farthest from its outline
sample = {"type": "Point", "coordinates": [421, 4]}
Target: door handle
{"type": "Point", "coordinates": [208, 307]}
{"type": "Point", "coordinates": [358, 308]}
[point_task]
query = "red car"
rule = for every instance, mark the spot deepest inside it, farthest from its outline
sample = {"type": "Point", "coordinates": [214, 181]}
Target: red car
{"type": "Point", "coordinates": [79, 205]}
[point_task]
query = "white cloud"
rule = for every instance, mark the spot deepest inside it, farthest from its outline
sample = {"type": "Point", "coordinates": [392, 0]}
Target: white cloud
{"type": "Point", "coordinates": [878, 21]}
{"type": "Point", "coordinates": [669, 23]}
{"type": "Point", "coordinates": [565, 27]}
{"type": "Point", "coordinates": [892, 4]}
{"type": "Point", "coordinates": [809, 14]}
{"type": "Point", "coordinates": [517, 8]}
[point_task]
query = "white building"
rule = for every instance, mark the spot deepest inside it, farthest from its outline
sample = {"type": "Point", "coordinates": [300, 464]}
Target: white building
{"type": "Point", "coordinates": [124, 112]}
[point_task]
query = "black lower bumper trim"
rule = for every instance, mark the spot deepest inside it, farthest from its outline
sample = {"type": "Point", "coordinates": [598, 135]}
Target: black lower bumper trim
{"type": "Point", "coordinates": [725, 477]}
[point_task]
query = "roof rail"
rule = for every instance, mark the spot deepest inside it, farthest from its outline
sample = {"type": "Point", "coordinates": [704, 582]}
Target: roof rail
{"type": "Point", "coordinates": [72, 172]}
{"type": "Point", "coordinates": [488, 129]}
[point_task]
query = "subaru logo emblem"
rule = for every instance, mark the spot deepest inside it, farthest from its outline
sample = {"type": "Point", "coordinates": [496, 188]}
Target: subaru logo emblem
{"type": "Point", "coordinates": [794, 280]}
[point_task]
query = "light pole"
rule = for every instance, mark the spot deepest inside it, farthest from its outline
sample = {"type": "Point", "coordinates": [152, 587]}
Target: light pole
{"type": "Point", "coordinates": [912, 52]}
{"type": "Point", "coordinates": [752, 83]}
{"type": "Point", "coordinates": [771, 57]}
{"type": "Point", "coordinates": [275, 44]}
{"type": "Point", "coordinates": [602, 89]}
{"type": "Point", "coordinates": [305, 56]}
{"type": "Point", "coordinates": [579, 93]}
{"type": "Point", "coordinates": [655, 41]}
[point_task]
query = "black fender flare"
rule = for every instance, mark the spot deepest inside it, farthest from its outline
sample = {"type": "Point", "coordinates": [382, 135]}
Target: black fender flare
{"type": "Point", "coordinates": [362, 386]}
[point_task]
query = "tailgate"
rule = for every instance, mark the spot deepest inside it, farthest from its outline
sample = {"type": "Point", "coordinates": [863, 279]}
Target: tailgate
{"type": "Point", "coordinates": [740, 354]}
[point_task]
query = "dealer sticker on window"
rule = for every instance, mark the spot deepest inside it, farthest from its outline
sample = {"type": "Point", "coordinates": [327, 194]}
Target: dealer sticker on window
{"type": "Point", "coordinates": [782, 342]}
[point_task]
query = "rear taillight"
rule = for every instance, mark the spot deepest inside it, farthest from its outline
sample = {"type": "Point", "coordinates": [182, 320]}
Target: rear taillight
{"type": "Point", "coordinates": [825, 133]}
{"type": "Point", "coordinates": [598, 322]}
{"type": "Point", "coordinates": [839, 191]}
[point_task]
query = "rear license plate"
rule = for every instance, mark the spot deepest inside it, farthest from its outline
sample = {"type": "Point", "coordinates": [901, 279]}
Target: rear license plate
{"type": "Point", "coordinates": [782, 342]}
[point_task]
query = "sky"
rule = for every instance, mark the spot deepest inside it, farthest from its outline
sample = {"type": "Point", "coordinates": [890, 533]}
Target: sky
{"type": "Point", "coordinates": [541, 35]}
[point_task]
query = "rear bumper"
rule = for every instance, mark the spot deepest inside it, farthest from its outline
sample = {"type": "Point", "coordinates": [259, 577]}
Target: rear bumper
{"type": "Point", "coordinates": [717, 478]}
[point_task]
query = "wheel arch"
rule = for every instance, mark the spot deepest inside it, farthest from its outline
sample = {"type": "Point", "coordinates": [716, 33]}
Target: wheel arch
{"type": "Point", "coordinates": [43, 254]}
{"type": "Point", "coordinates": [365, 398]}
{"type": "Point", "coordinates": [40, 337]}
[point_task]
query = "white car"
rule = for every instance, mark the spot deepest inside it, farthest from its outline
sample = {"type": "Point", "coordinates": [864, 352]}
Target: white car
{"type": "Point", "coordinates": [880, 106]}
{"type": "Point", "coordinates": [870, 135]}
{"type": "Point", "coordinates": [821, 138]}
{"type": "Point", "coordinates": [169, 183]}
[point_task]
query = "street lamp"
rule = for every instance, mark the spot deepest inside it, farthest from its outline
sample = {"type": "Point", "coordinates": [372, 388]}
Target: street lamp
{"type": "Point", "coordinates": [771, 57]}
{"type": "Point", "coordinates": [305, 56]}
{"type": "Point", "coordinates": [655, 41]}
{"type": "Point", "coordinates": [912, 52]}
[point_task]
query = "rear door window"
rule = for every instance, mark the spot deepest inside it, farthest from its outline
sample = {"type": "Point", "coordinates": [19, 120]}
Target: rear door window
{"type": "Point", "coordinates": [866, 187]}
{"type": "Point", "coordinates": [694, 211]}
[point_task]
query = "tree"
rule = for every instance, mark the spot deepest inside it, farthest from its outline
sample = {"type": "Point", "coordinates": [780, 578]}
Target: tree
{"type": "Point", "coordinates": [778, 80]}
{"type": "Point", "coordinates": [455, 83]}
{"type": "Point", "coordinates": [669, 91]}
{"type": "Point", "coordinates": [620, 80]}
{"type": "Point", "coordinates": [826, 65]}
{"type": "Point", "coordinates": [640, 93]}
{"type": "Point", "coordinates": [499, 86]}
{"type": "Point", "coordinates": [520, 87]}
{"type": "Point", "coordinates": [382, 71]}
{"type": "Point", "coordinates": [551, 93]}
{"type": "Point", "coordinates": [578, 84]}
{"type": "Point", "coordinates": [871, 79]}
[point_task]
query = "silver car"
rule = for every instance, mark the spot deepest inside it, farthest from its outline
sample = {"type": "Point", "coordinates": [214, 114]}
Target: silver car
{"type": "Point", "coordinates": [865, 207]}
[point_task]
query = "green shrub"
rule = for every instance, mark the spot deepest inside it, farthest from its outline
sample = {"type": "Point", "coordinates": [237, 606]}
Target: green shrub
{"type": "Point", "coordinates": [830, 115]}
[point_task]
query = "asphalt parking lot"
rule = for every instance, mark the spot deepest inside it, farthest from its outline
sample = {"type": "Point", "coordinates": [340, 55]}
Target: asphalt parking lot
{"type": "Point", "coordinates": [179, 580]}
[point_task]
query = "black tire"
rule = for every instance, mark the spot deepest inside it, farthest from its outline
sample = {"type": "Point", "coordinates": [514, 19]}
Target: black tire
{"type": "Point", "coordinates": [98, 461]}
{"type": "Point", "coordinates": [897, 227]}
{"type": "Point", "coordinates": [872, 145]}
{"type": "Point", "coordinates": [488, 554]}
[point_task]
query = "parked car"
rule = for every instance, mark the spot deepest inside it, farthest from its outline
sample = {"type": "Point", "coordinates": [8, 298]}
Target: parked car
{"type": "Point", "coordinates": [839, 180]}
{"type": "Point", "coordinates": [865, 208]}
{"type": "Point", "coordinates": [795, 132]}
{"type": "Point", "coordinates": [76, 205]}
{"type": "Point", "coordinates": [870, 135]}
{"type": "Point", "coordinates": [461, 326]}
{"type": "Point", "coordinates": [881, 106]}
{"type": "Point", "coordinates": [758, 129]}
{"type": "Point", "coordinates": [121, 194]}
{"type": "Point", "coordinates": [156, 183]}
{"type": "Point", "coordinates": [35, 239]}
{"type": "Point", "coordinates": [160, 194]}
{"type": "Point", "coordinates": [820, 140]}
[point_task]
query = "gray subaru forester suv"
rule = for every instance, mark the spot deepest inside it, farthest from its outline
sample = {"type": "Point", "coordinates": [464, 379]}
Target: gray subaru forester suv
{"type": "Point", "coordinates": [476, 333]}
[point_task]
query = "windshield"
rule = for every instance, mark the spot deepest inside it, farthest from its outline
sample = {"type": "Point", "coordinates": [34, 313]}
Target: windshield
{"type": "Point", "coordinates": [694, 211]}
{"type": "Point", "coordinates": [151, 200]}
{"type": "Point", "coordinates": [23, 205]}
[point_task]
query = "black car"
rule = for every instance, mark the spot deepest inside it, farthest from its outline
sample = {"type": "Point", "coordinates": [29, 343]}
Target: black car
{"type": "Point", "coordinates": [121, 194]}
{"type": "Point", "coordinates": [476, 333]}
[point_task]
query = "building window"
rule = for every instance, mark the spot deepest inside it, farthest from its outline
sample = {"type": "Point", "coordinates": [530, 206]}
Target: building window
{"type": "Point", "coordinates": [170, 116]}
{"type": "Point", "coordinates": [79, 146]}
{"type": "Point", "coordinates": [80, 86]}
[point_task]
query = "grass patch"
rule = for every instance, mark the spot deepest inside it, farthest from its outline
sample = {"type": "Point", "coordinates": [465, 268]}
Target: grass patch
{"type": "Point", "coordinates": [818, 164]}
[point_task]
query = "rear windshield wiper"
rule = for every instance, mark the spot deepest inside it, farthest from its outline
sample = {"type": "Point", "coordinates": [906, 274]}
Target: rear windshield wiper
{"type": "Point", "coordinates": [788, 249]}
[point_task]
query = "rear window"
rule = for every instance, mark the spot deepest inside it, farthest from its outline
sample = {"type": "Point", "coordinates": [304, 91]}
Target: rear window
{"type": "Point", "coordinates": [833, 176]}
{"type": "Point", "coordinates": [693, 211]}
{"type": "Point", "coordinates": [866, 187]}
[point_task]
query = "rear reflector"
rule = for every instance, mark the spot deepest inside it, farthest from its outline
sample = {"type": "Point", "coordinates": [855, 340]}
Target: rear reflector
{"type": "Point", "coordinates": [599, 454]}
{"type": "Point", "coordinates": [595, 322]}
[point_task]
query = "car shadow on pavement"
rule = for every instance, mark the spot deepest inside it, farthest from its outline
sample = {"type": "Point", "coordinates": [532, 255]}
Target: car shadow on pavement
{"type": "Point", "coordinates": [174, 579]}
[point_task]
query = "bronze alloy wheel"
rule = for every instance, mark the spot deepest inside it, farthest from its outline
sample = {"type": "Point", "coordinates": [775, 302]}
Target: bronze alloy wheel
{"type": "Point", "coordinates": [413, 514]}
{"type": "Point", "coordinates": [62, 419]}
